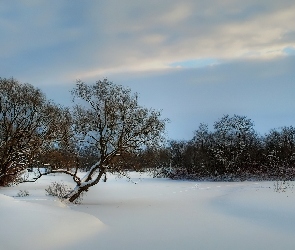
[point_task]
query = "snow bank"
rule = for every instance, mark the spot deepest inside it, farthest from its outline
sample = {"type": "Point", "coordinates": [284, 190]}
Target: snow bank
{"type": "Point", "coordinates": [26, 225]}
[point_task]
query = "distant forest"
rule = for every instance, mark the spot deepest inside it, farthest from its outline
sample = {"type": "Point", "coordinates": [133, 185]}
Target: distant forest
{"type": "Point", "coordinates": [233, 151]}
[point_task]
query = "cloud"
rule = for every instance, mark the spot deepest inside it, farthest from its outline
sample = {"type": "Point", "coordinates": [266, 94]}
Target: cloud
{"type": "Point", "coordinates": [145, 36]}
{"type": "Point", "coordinates": [260, 89]}
{"type": "Point", "coordinates": [194, 59]}
{"type": "Point", "coordinates": [104, 37]}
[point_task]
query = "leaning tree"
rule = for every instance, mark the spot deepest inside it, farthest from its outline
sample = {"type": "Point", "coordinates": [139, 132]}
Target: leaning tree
{"type": "Point", "coordinates": [107, 117]}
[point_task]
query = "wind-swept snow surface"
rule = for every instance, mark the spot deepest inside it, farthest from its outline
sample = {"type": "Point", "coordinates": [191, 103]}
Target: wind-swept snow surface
{"type": "Point", "coordinates": [152, 214]}
{"type": "Point", "coordinates": [40, 222]}
{"type": "Point", "coordinates": [26, 225]}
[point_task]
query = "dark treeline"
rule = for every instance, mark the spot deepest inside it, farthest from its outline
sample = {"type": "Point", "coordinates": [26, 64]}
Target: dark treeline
{"type": "Point", "coordinates": [232, 151]}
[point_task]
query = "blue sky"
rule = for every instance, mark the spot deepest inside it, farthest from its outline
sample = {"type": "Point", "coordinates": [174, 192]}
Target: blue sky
{"type": "Point", "coordinates": [195, 60]}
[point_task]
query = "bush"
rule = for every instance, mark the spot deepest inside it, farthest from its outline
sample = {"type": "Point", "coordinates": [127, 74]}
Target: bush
{"type": "Point", "coordinates": [282, 186]}
{"type": "Point", "coordinates": [60, 190]}
{"type": "Point", "coordinates": [23, 193]}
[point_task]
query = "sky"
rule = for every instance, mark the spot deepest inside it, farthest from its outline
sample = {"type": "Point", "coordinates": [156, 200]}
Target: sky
{"type": "Point", "coordinates": [196, 60]}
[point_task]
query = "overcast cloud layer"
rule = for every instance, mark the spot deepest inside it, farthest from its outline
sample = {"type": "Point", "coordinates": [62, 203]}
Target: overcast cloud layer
{"type": "Point", "coordinates": [195, 60]}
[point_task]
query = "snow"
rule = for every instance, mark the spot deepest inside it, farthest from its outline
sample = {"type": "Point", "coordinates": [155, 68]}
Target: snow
{"type": "Point", "coordinates": [151, 214]}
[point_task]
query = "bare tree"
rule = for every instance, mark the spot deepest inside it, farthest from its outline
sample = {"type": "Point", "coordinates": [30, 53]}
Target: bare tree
{"type": "Point", "coordinates": [233, 138]}
{"type": "Point", "coordinates": [280, 152]}
{"type": "Point", "coordinates": [28, 124]}
{"type": "Point", "coordinates": [109, 118]}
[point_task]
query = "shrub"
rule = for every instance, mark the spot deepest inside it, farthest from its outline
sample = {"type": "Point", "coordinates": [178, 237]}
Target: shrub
{"type": "Point", "coordinates": [23, 193]}
{"type": "Point", "coordinates": [60, 190]}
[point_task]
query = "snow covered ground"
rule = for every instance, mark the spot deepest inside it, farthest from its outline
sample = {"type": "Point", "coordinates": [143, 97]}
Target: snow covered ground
{"type": "Point", "coordinates": [152, 214]}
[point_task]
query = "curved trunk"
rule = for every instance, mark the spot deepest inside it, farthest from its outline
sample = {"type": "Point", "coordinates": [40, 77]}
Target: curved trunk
{"type": "Point", "coordinates": [75, 194]}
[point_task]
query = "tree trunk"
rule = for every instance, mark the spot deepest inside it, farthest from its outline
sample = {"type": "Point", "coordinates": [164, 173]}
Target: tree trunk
{"type": "Point", "coordinates": [75, 194]}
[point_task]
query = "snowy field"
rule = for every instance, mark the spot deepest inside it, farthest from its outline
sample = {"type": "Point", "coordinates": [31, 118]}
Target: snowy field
{"type": "Point", "coordinates": [152, 214]}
